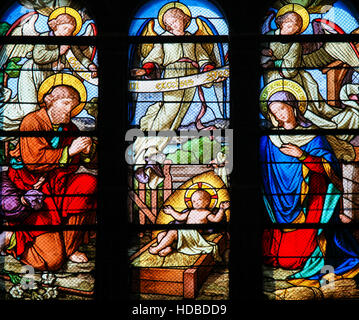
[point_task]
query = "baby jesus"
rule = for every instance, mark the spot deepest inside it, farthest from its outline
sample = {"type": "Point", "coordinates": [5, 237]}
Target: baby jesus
{"type": "Point", "coordinates": [190, 241]}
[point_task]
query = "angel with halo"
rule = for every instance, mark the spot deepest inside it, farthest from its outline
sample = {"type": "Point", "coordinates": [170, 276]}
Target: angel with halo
{"type": "Point", "coordinates": [43, 60]}
{"type": "Point", "coordinates": [172, 60]}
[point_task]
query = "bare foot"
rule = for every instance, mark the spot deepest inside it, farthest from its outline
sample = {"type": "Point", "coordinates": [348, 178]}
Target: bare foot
{"type": "Point", "coordinates": [78, 257]}
{"type": "Point", "coordinates": [153, 250]}
{"type": "Point", "coordinates": [164, 252]}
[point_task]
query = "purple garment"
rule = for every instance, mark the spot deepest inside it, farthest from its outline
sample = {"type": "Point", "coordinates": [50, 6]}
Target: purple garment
{"type": "Point", "coordinates": [10, 199]}
{"type": "Point", "coordinates": [284, 96]}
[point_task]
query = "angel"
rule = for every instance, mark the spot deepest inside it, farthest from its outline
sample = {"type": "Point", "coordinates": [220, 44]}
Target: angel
{"type": "Point", "coordinates": [172, 60]}
{"type": "Point", "coordinates": [289, 60]}
{"type": "Point", "coordinates": [43, 60]}
{"type": "Point", "coordinates": [294, 19]}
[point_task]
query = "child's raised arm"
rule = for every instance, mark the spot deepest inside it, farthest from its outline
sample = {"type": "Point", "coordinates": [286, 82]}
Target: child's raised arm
{"type": "Point", "coordinates": [219, 216]}
{"type": "Point", "coordinates": [180, 216]}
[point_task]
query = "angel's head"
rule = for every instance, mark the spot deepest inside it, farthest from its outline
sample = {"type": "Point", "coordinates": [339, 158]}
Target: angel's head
{"type": "Point", "coordinates": [60, 101]}
{"type": "Point", "coordinates": [63, 25]}
{"type": "Point", "coordinates": [176, 21]}
{"type": "Point", "coordinates": [289, 23]}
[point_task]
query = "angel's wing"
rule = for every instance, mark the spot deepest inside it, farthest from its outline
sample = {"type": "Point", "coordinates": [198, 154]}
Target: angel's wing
{"type": "Point", "coordinates": [218, 57]}
{"type": "Point", "coordinates": [137, 54]}
{"type": "Point", "coordinates": [320, 26]}
{"type": "Point", "coordinates": [310, 47]}
{"type": "Point", "coordinates": [148, 30]}
{"type": "Point", "coordinates": [204, 30]}
{"type": "Point", "coordinates": [25, 26]}
{"type": "Point", "coordinates": [89, 51]}
{"type": "Point", "coordinates": [267, 22]}
{"type": "Point", "coordinates": [312, 6]}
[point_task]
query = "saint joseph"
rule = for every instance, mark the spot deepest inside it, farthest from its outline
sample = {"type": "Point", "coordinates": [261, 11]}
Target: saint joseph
{"type": "Point", "coordinates": [52, 162]}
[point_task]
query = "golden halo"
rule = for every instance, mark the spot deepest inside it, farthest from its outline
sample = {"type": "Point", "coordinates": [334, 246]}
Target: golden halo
{"type": "Point", "coordinates": [282, 85]}
{"type": "Point", "coordinates": [201, 185]}
{"type": "Point", "coordinates": [72, 12]}
{"type": "Point", "coordinates": [171, 5]}
{"type": "Point", "coordinates": [297, 8]}
{"type": "Point", "coordinates": [67, 80]}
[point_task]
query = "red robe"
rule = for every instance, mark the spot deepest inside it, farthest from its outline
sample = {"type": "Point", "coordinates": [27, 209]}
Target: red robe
{"type": "Point", "coordinates": [291, 249]}
{"type": "Point", "coordinates": [66, 193]}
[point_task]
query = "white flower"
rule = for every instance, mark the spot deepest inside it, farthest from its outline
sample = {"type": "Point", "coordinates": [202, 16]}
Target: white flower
{"type": "Point", "coordinates": [28, 284]}
{"type": "Point", "coordinates": [51, 293]}
{"type": "Point", "coordinates": [48, 278]}
{"type": "Point", "coordinates": [16, 291]}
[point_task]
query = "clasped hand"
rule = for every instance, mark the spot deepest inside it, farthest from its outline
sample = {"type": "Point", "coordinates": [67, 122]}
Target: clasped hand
{"type": "Point", "coordinates": [80, 144]}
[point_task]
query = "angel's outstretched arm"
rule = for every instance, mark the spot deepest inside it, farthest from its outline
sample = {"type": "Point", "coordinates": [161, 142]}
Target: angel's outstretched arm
{"type": "Point", "coordinates": [44, 54]}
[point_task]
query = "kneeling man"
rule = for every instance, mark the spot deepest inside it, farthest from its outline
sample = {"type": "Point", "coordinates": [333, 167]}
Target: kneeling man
{"type": "Point", "coordinates": [49, 163]}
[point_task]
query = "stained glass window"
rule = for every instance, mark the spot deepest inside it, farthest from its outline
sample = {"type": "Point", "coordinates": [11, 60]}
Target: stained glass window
{"type": "Point", "coordinates": [48, 150]}
{"type": "Point", "coordinates": [309, 151]}
{"type": "Point", "coordinates": [179, 150]}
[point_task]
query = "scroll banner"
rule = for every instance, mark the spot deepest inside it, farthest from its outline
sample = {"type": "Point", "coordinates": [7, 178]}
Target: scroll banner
{"type": "Point", "coordinates": [80, 69]}
{"type": "Point", "coordinates": [179, 83]}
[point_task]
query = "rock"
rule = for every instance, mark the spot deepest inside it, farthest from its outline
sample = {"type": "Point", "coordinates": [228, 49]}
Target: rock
{"type": "Point", "coordinates": [277, 273]}
{"type": "Point", "coordinates": [13, 265]}
{"type": "Point", "coordinates": [341, 289]}
{"type": "Point", "coordinates": [79, 267]}
{"type": "Point", "coordinates": [72, 275]}
{"type": "Point", "coordinates": [84, 282]}
{"type": "Point", "coordinates": [84, 124]}
{"type": "Point", "coordinates": [269, 285]}
{"type": "Point", "coordinates": [299, 293]}
{"type": "Point", "coordinates": [275, 278]}
{"type": "Point", "coordinates": [269, 295]}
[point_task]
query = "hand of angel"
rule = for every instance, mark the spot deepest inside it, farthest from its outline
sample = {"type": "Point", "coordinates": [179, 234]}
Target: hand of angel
{"type": "Point", "coordinates": [220, 79]}
{"type": "Point", "coordinates": [58, 66]}
{"type": "Point", "coordinates": [291, 150]}
{"type": "Point", "coordinates": [93, 69]}
{"type": "Point", "coordinates": [168, 209]}
{"type": "Point", "coordinates": [80, 144]}
{"type": "Point", "coordinates": [138, 72]}
{"type": "Point", "coordinates": [64, 49]}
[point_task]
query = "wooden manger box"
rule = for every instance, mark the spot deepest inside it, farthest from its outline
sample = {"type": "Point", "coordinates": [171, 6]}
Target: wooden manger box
{"type": "Point", "coordinates": [174, 280]}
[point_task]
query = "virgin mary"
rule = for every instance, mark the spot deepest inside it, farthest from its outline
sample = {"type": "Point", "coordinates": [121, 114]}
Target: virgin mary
{"type": "Point", "coordinates": [302, 184]}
